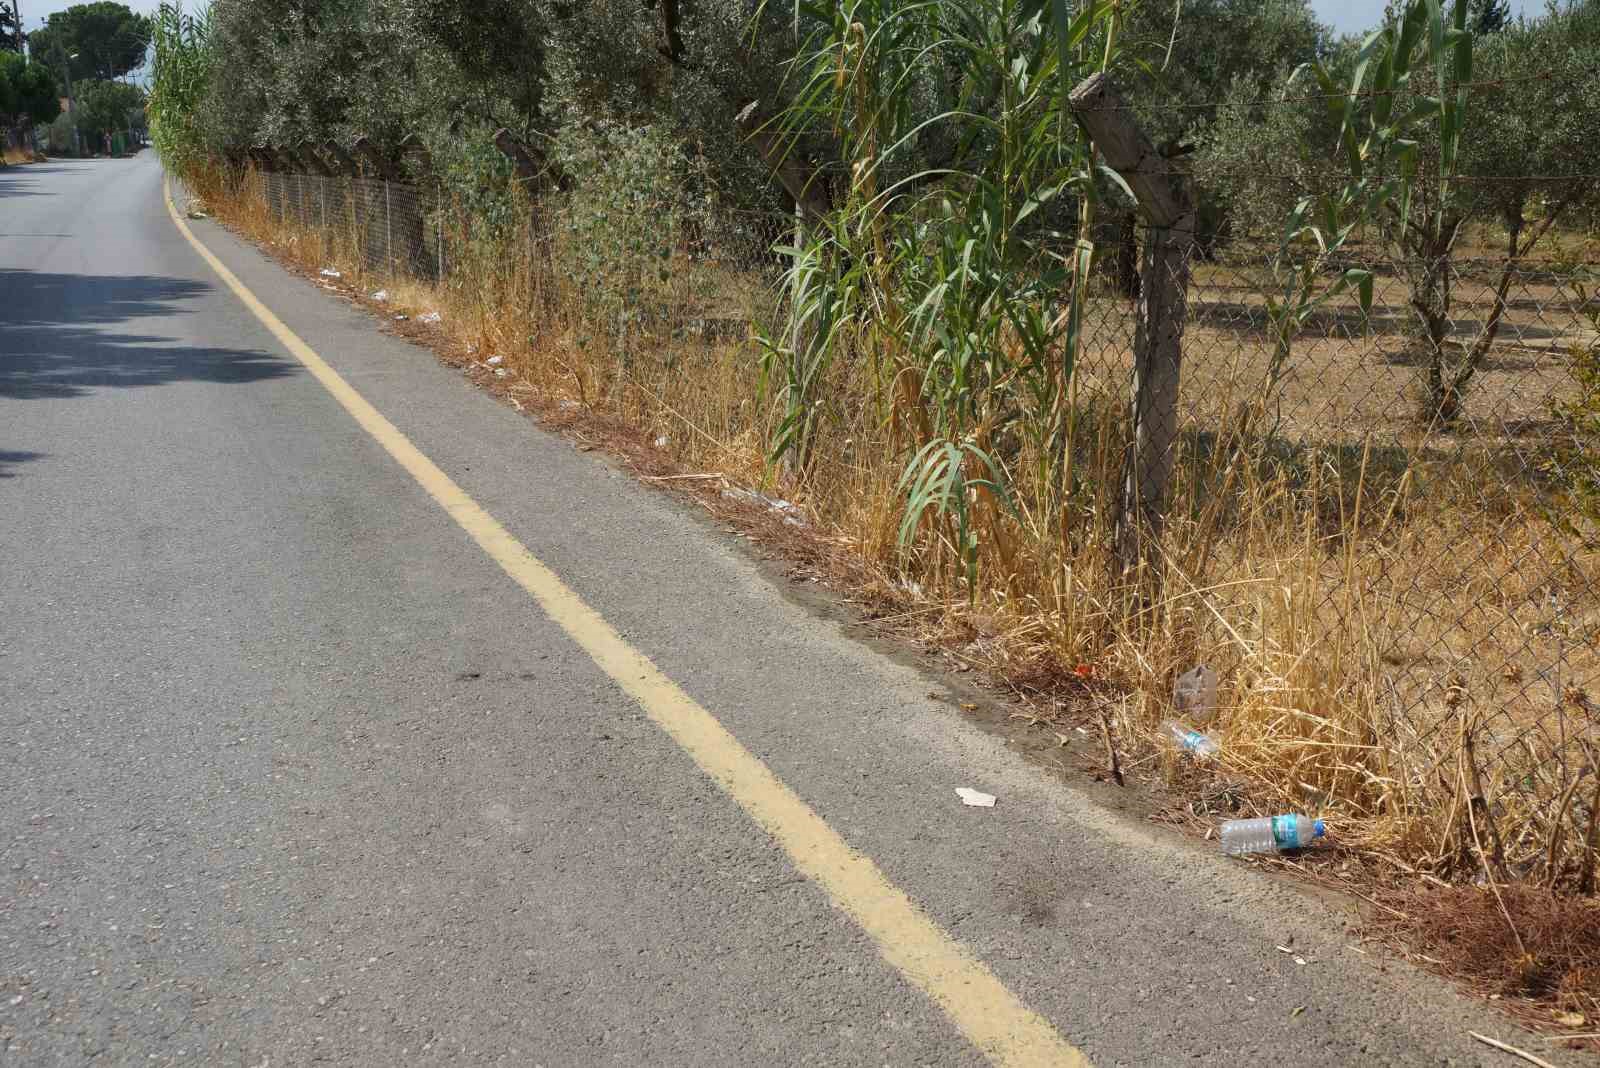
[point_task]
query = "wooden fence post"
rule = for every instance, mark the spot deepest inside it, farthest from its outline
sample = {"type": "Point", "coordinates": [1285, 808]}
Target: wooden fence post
{"type": "Point", "coordinates": [810, 193]}
{"type": "Point", "coordinates": [339, 160]}
{"type": "Point", "coordinates": [522, 161]}
{"type": "Point", "coordinates": [378, 231]}
{"type": "Point", "coordinates": [371, 160]}
{"type": "Point", "coordinates": [1166, 202]}
{"type": "Point", "coordinates": [416, 165]}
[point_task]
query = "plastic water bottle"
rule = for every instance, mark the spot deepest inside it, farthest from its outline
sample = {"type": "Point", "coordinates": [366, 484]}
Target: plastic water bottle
{"type": "Point", "coordinates": [1190, 741]}
{"type": "Point", "coordinates": [1270, 834]}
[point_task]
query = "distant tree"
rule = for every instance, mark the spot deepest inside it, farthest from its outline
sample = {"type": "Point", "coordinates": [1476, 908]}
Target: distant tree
{"type": "Point", "coordinates": [1508, 148]}
{"type": "Point", "coordinates": [106, 107]}
{"type": "Point", "coordinates": [1185, 62]}
{"type": "Point", "coordinates": [10, 27]}
{"type": "Point", "coordinates": [27, 93]}
{"type": "Point", "coordinates": [108, 40]}
{"type": "Point", "coordinates": [1488, 16]}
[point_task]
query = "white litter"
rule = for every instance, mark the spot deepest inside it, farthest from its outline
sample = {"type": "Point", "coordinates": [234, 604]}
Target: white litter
{"type": "Point", "coordinates": [501, 372]}
{"type": "Point", "coordinates": [661, 442]}
{"type": "Point", "coordinates": [1195, 693]}
{"type": "Point", "coordinates": [401, 318]}
{"type": "Point", "coordinates": [381, 296]}
{"type": "Point", "coordinates": [975, 798]}
{"type": "Point", "coordinates": [430, 317]}
{"type": "Point", "coordinates": [791, 513]}
{"type": "Point", "coordinates": [329, 272]}
{"type": "Point", "coordinates": [494, 361]}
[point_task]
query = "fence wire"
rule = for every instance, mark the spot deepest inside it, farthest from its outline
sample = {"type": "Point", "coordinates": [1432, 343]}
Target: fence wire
{"type": "Point", "coordinates": [1460, 550]}
{"type": "Point", "coordinates": [1454, 558]}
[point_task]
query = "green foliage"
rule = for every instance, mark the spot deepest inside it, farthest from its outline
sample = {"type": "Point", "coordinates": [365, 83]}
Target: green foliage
{"type": "Point", "coordinates": [10, 27]}
{"type": "Point", "coordinates": [108, 108]}
{"type": "Point", "coordinates": [938, 260]}
{"type": "Point", "coordinates": [1528, 130]}
{"type": "Point", "coordinates": [104, 40]}
{"type": "Point", "coordinates": [180, 81]}
{"type": "Point", "coordinates": [27, 92]}
{"type": "Point", "coordinates": [631, 203]}
{"type": "Point", "coordinates": [1573, 463]}
{"type": "Point", "coordinates": [59, 136]}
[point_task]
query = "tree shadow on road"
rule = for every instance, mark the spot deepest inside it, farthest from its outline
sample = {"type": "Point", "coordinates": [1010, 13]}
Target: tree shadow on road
{"type": "Point", "coordinates": [53, 344]}
{"type": "Point", "coordinates": [9, 459]}
{"type": "Point", "coordinates": [23, 182]}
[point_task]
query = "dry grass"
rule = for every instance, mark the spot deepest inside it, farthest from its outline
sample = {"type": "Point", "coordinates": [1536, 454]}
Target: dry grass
{"type": "Point", "coordinates": [1536, 952]}
{"type": "Point", "coordinates": [1405, 638]}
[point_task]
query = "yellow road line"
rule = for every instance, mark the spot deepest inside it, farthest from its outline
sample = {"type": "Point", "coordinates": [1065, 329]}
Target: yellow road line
{"type": "Point", "coordinates": [991, 1016]}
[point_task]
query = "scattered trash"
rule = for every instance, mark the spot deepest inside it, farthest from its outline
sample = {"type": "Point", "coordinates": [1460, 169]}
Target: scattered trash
{"type": "Point", "coordinates": [1300, 961]}
{"type": "Point", "coordinates": [329, 272]}
{"type": "Point", "coordinates": [1270, 834]}
{"type": "Point", "coordinates": [568, 405]}
{"type": "Point", "coordinates": [1190, 741]}
{"type": "Point", "coordinates": [791, 513]}
{"type": "Point", "coordinates": [1296, 1011]}
{"type": "Point", "coordinates": [401, 318]}
{"type": "Point", "coordinates": [430, 317]}
{"type": "Point", "coordinates": [381, 296]}
{"type": "Point", "coordinates": [661, 442]}
{"type": "Point", "coordinates": [975, 798]}
{"type": "Point", "coordinates": [1084, 671]}
{"type": "Point", "coordinates": [501, 372]}
{"type": "Point", "coordinates": [196, 213]}
{"type": "Point", "coordinates": [494, 361]}
{"type": "Point", "coordinates": [1571, 1019]}
{"type": "Point", "coordinates": [1195, 694]}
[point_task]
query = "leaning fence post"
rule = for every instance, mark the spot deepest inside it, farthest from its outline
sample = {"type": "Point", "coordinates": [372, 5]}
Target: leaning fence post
{"type": "Point", "coordinates": [530, 173]}
{"type": "Point", "coordinates": [1166, 201]}
{"type": "Point", "coordinates": [416, 162]}
{"type": "Point", "coordinates": [374, 168]}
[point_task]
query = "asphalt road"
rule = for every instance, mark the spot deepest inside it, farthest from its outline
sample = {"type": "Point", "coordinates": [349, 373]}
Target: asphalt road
{"type": "Point", "coordinates": [292, 772]}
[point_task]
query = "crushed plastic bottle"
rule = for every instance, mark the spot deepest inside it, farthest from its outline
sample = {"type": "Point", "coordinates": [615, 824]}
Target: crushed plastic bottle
{"type": "Point", "coordinates": [1194, 694]}
{"type": "Point", "coordinates": [1190, 741]}
{"type": "Point", "coordinates": [1270, 834]}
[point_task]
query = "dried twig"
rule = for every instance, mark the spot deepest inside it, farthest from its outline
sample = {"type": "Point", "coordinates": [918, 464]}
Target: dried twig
{"type": "Point", "coordinates": [1591, 840]}
{"type": "Point", "coordinates": [1472, 821]}
{"type": "Point", "coordinates": [1514, 1051]}
{"type": "Point", "coordinates": [1112, 761]}
{"type": "Point", "coordinates": [1479, 801]}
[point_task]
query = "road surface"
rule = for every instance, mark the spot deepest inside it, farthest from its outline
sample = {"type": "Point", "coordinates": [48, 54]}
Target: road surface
{"type": "Point", "coordinates": [295, 769]}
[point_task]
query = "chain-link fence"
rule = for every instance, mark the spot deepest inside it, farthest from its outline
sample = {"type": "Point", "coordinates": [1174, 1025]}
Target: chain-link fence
{"type": "Point", "coordinates": [1418, 470]}
{"type": "Point", "coordinates": [1382, 472]}
{"type": "Point", "coordinates": [393, 228]}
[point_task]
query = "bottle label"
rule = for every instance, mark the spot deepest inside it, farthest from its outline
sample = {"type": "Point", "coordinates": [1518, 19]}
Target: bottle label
{"type": "Point", "coordinates": [1285, 833]}
{"type": "Point", "coordinates": [1193, 740]}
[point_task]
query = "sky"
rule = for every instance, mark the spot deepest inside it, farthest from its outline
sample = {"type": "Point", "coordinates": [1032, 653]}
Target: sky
{"type": "Point", "coordinates": [1353, 16]}
{"type": "Point", "coordinates": [34, 11]}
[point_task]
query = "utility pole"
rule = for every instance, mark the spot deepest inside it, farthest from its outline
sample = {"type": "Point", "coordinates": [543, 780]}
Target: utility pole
{"type": "Point", "coordinates": [72, 104]}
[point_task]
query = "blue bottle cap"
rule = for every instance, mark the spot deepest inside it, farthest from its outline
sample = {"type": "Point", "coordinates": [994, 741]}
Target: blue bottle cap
{"type": "Point", "coordinates": [1318, 829]}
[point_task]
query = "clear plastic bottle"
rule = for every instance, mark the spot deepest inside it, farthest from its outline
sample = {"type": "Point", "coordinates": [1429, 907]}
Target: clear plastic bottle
{"type": "Point", "coordinates": [1270, 834]}
{"type": "Point", "coordinates": [1189, 740]}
